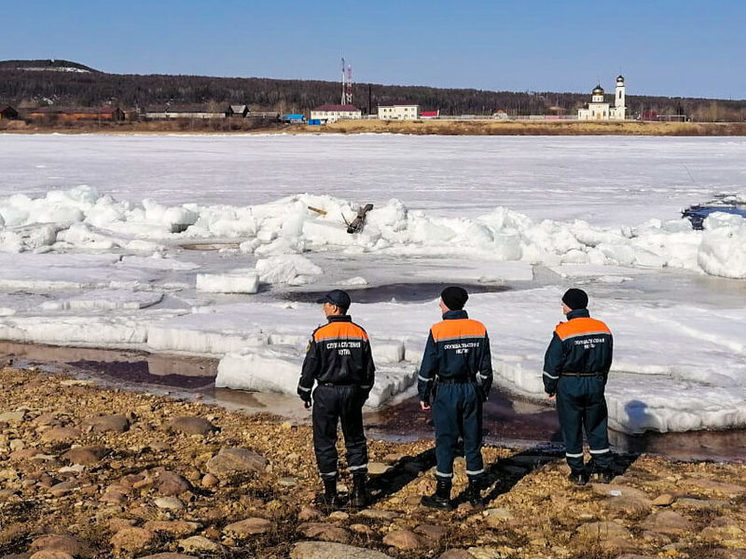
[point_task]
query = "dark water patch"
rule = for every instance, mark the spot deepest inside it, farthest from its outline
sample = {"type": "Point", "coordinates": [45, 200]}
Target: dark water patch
{"type": "Point", "coordinates": [210, 246]}
{"type": "Point", "coordinates": [517, 423]}
{"type": "Point", "coordinates": [139, 372]}
{"type": "Point", "coordinates": [402, 292]}
{"type": "Point", "coordinates": [121, 367]}
{"type": "Point", "coordinates": [504, 420]}
{"type": "Point", "coordinates": [690, 445]}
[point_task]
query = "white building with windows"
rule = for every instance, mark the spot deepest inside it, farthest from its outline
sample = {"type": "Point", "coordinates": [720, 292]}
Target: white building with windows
{"type": "Point", "coordinates": [332, 113]}
{"type": "Point", "coordinates": [599, 109]}
{"type": "Point", "coordinates": [399, 111]}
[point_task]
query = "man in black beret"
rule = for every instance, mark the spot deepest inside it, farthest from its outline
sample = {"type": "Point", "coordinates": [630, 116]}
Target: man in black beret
{"type": "Point", "coordinates": [339, 361]}
{"type": "Point", "coordinates": [576, 366]}
{"type": "Point", "coordinates": [454, 380]}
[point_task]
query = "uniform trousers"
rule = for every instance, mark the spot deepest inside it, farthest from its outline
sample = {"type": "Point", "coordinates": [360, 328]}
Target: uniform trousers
{"type": "Point", "coordinates": [581, 405]}
{"type": "Point", "coordinates": [457, 412]}
{"type": "Point", "coordinates": [332, 405]}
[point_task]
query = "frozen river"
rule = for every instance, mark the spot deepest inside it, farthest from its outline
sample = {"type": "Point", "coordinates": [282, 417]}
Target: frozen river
{"type": "Point", "coordinates": [603, 180]}
{"type": "Point", "coordinates": [94, 230]}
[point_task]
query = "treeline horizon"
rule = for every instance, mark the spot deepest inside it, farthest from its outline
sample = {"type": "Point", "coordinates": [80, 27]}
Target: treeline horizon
{"type": "Point", "coordinates": [25, 89]}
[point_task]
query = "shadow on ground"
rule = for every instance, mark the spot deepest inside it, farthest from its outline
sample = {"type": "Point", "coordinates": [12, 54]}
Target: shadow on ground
{"type": "Point", "coordinates": [500, 477]}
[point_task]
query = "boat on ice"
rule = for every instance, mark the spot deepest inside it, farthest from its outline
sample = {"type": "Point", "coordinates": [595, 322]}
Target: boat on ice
{"type": "Point", "coordinates": [726, 203]}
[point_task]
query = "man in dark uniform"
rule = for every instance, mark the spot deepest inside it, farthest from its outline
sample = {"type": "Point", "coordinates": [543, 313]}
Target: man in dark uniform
{"type": "Point", "coordinates": [340, 362]}
{"type": "Point", "coordinates": [576, 366]}
{"type": "Point", "coordinates": [455, 379]}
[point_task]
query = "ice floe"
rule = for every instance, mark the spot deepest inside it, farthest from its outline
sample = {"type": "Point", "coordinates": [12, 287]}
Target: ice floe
{"type": "Point", "coordinates": [236, 281]}
{"type": "Point", "coordinates": [277, 232]}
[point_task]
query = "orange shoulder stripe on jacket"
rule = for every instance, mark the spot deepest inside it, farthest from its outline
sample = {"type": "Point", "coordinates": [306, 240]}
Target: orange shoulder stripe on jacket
{"type": "Point", "coordinates": [581, 327]}
{"type": "Point", "coordinates": [347, 330]}
{"type": "Point", "coordinates": [459, 328]}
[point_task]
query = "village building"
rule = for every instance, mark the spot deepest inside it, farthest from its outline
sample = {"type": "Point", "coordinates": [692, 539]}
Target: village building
{"type": "Point", "coordinates": [269, 115]}
{"type": "Point", "coordinates": [293, 118]}
{"type": "Point", "coordinates": [171, 111]}
{"type": "Point", "coordinates": [399, 111]}
{"type": "Point", "coordinates": [599, 109]}
{"type": "Point", "coordinates": [7, 112]}
{"type": "Point", "coordinates": [238, 111]}
{"type": "Point", "coordinates": [72, 114]}
{"type": "Point", "coordinates": [332, 113]}
{"type": "Point", "coordinates": [427, 115]}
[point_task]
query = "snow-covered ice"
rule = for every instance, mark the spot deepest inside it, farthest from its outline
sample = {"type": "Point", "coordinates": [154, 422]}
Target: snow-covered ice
{"type": "Point", "coordinates": [105, 299]}
{"type": "Point", "coordinates": [92, 230]}
{"type": "Point", "coordinates": [235, 281]}
{"type": "Point", "coordinates": [278, 232]}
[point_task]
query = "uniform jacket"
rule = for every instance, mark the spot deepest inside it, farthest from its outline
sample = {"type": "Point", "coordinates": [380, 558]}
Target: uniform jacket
{"type": "Point", "coordinates": [580, 345]}
{"type": "Point", "coordinates": [457, 347]}
{"type": "Point", "coordinates": [338, 353]}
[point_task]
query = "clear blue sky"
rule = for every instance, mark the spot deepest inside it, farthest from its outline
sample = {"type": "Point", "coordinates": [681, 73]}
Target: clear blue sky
{"type": "Point", "coordinates": [675, 48]}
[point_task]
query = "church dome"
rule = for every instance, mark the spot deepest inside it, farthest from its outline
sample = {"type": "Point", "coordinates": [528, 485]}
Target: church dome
{"type": "Point", "coordinates": [598, 90]}
{"type": "Point", "coordinates": [620, 78]}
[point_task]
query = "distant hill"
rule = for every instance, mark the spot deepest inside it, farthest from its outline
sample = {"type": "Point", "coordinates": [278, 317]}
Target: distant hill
{"type": "Point", "coordinates": [51, 65]}
{"type": "Point", "coordinates": [34, 83]}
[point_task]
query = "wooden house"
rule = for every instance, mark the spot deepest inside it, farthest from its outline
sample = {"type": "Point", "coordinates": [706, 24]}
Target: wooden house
{"type": "Point", "coordinates": [7, 112]}
{"type": "Point", "coordinates": [72, 114]}
{"type": "Point", "coordinates": [238, 111]}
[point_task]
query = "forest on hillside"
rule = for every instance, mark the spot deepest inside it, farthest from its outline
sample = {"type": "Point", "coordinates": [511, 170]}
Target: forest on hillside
{"type": "Point", "coordinates": [25, 89]}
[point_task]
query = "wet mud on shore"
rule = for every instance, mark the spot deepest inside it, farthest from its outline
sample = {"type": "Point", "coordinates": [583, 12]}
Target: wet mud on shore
{"type": "Point", "coordinates": [508, 421]}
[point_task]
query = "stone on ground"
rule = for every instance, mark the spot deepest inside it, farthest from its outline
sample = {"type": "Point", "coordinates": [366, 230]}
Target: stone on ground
{"type": "Point", "coordinates": [323, 531]}
{"type": "Point", "coordinates": [667, 522]}
{"type": "Point", "coordinates": [402, 539]}
{"type": "Point", "coordinates": [85, 456]}
{"type": "Point", "coordinates": [49, 554]}
{"type": "Point", "coordinates": [132, 540]}
{"type": "Point", "coordinates": [326, 550]}
{"type": "Point", "coordinates": [199, 544]}
{"type": "Point", "coordinates": [229, 461]}
{"type": "Point", "coordinates": [104, 423]}
{"type": "Point", "coordinates": [249, 527]}
{"type": "Point", "coordinates": [179, 528]}
{"type": "Point", "coordinates": [67, 544]}
{"type": "Point", "coordinates": [191, 425]}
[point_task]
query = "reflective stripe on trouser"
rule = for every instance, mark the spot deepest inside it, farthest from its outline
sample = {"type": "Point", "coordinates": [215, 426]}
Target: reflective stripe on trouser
{"type": "Point", "coordinates": [457, 411]}
{"type": "Point", "coordinates": [333, 405]}
{"type": "Point", "coordinates": [581, 405]}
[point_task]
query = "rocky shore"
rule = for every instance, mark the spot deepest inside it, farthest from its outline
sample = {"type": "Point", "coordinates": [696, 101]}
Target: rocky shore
{"type": "Point", "coordinates": [92, 472]}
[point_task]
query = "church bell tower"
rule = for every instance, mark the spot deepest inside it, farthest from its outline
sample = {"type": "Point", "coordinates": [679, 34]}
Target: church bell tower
{"type": "Point", "coordinates": [619, 100]}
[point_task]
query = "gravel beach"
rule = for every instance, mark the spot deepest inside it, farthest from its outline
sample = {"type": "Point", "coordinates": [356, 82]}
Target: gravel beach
{"type": "Point", "coordinates": [87, 471]}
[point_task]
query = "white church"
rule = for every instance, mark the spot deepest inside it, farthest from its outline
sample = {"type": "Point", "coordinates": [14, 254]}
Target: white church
{"type": "Point", "coordinates": [598, 109]}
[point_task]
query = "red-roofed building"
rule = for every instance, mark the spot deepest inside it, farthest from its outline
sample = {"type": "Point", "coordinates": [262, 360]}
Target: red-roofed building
{"type": "Point", "coordinates": [430, 114]}
{"type": "Point", "coordinates": [332, 113]}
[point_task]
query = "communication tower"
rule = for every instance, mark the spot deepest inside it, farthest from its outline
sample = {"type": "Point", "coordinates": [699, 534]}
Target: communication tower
{"type": "Point", "coordinates": [346, 83]}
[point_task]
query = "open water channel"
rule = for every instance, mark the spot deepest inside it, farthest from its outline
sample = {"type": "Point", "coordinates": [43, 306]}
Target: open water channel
{"type": "Point", "coordinates": [508, 421]}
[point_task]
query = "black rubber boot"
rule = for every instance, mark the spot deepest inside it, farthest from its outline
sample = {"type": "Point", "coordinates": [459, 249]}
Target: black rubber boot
{"type": "Point", "coordinates": [330, 498]}
{"type": "Point", "coordinates": [441, 499]}
{"type": "Point", "coordinates": [474, 493]}
{"type": "Point", "coordinates": [602, 475]}
{"type": "Point", "coordinates": [359, 496]}
{"type": "Point", "coordinates": [578, 478]}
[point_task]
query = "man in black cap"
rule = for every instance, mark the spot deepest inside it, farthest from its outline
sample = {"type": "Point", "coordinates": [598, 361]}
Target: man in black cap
{"type": "Point", "coordinates": [576, 366]}
{"type": "Point", "coordinates": [339, 360]}
{"type": "Point", "coordinates": [455, 379]}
